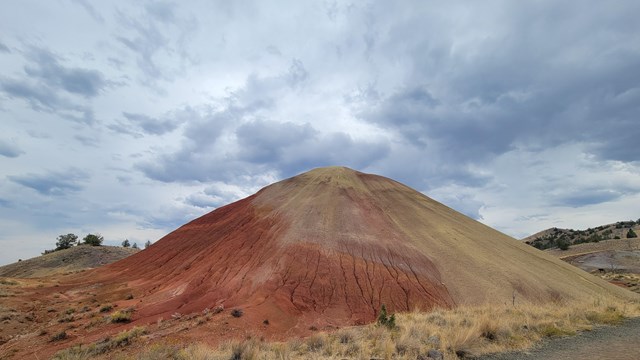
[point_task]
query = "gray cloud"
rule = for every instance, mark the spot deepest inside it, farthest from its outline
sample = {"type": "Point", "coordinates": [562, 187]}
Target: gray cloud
{"type": "Point", "coordinates": [10, 149]}
{"type": "Point", "coordinates": [90, 10]}
{"type": "Point", "coordinates": [55, 183]}
{"type": "Point", "coordinates": [257, 147]}
{"type": "Point", "coordinates": [474, 98]}
{"type": "Point", "coordinates": [48, 70]}
{"type": "Point", "coordinates": [5, 203]}
{"type": "Point", "coordinates": [212, 197]}
{"type": "Point", "coordinates": [162, 10]}
{"type": "Point", "coordinates": [87, 140]}
{"type": "Point", "coordinates": [4, 48]}
{"type": "Point", "coordinates": [38, 97]}
{"type": "Point", "coordinates": [587, 197]}
{"type": "Point", "coordinates": [43, 82]}
{"type": "Point", "coordinates": [156, 37]}
{"type": "Point", "coordinates": [262, 141]}
{"type": "Point", "coordinates": [136, 123]}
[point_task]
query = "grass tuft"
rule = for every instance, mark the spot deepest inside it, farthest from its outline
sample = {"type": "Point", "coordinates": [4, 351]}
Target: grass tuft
{"type": "Point", "coordinates": [120, 317]}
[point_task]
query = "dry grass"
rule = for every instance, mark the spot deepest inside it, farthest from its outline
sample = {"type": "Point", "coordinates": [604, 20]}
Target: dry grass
{"type": "Point", "coordinates": [456, 333]}
{"type": "Point", "coordinates": [106, 345]}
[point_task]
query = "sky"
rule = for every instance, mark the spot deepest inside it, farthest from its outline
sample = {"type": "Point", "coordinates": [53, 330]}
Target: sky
{"type": "Point", "coordinates": [129, 119]}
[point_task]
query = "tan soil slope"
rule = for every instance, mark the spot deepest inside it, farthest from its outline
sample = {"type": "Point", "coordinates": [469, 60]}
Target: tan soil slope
{"type": "Point", "coordinates": [329, 247]}
{"type": "Point", "coordinates": [64, 261]}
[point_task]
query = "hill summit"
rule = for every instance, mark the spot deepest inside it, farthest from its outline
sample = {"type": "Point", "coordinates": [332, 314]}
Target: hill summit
{"type": "Point", "coordinates": [329, 247]}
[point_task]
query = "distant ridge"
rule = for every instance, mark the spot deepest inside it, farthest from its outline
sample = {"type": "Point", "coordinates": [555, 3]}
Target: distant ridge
{"type": "Point", "coordinates": [555, 237]}
{"type": "Point", "coordinates": [64, 261]}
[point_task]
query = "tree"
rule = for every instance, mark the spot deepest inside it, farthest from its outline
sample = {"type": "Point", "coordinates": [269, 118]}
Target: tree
{"type": "Point", "coordinates": [147, 244]}
{"type": "Point", "coordinates": [126, 243]}
{"type": "Point", "coordinates": [135, 246]}
{"type": "Point", "coordinates": [93, 240]}
{"type": "Point", "coordinates": [563, 244]}
{"type": "Point", "coordinates": [631, 234]}
{"type": "Point", "coordinates": [66, 241]}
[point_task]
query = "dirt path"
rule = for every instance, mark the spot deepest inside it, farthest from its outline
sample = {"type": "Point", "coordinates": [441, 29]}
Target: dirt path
{"type": "Point", "coordinates": [607, 342]}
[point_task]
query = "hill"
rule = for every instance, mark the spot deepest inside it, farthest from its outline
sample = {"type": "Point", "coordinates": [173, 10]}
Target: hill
{"type": "Point", "coordinates": [329, 247]}
{"type": "Point", "coordinates": [556, 237]}
{"type": "Point", "coordinates": [318, 251]}
{"type": "Point", "coordinates": [65, 261]}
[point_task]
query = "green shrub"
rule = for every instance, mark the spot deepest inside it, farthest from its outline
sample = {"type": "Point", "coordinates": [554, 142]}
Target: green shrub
{"type": "Point", "coordinates": [563, 244]}
{"type": "Point", "coordinates": [384, 320]}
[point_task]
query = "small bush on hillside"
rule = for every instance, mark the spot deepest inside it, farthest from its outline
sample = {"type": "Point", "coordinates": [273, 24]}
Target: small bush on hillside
{"type": "Point", "coordinates": [384, 320]}
{"type": "Point", "coordinates": [59, 336]}
{"type": "Point", "coordinates": [237, 313]}
{"type": "Point", "coordinates": [106, 308]}
{"type": "Point", "coordinates": [631, 234]}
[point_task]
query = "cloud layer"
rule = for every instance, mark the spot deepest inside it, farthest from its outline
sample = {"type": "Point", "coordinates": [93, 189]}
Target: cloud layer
{"type": "Point", "coordinates": [130, 119]}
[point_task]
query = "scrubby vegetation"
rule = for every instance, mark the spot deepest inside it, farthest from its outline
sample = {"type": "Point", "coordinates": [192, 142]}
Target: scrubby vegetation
{"type": "Point", "coordinates": [120, 317]}
{"type": "Point", "coordinates": [103, 346]}
{"type": "Point", "coordinates": [456, 333]}
{"type": "Point", "coordinates": [564, 238]}
{"type": "Point", "coordinates": [67, 241]}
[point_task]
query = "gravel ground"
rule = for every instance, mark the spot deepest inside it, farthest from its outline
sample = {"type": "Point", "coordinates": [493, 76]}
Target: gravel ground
{"type": "Point", "coordinates": [606, 342]}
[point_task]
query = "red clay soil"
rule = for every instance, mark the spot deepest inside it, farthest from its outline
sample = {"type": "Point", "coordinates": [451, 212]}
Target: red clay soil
{"type": "Point", "coordinates": [322, 250]}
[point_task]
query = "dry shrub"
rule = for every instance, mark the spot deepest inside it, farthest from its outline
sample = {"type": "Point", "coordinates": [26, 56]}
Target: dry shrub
{"type": "Point", "coordinates": [160, 351]}
{"type": "Point", "coordinates": [611, 316]}
{"type": "Point", "coordinates": [244, 350]}
{"type": "Point", "coordinates": [280, 352]}
{"type": "Point", "coordinates": [198, 352]}
{"type": "Point", "coordinates": [120, 317]}
{"type": "Point", "coordinates": [316, 342]}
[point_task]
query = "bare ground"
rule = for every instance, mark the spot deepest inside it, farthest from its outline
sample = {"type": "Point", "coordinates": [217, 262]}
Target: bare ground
{"type": "Point", "coordinates": [605, 342]}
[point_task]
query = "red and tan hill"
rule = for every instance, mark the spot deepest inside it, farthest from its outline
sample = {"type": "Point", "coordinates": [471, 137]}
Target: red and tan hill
{"type": "Point", "coordinates": [328, 248]}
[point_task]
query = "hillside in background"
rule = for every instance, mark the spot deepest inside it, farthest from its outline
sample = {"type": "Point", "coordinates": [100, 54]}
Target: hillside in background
{"type": "Point", "coordinates": [563, 238]}
{"type": "Point", "coordinates": [65, 261]}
